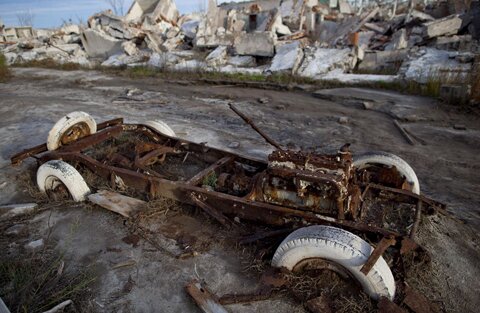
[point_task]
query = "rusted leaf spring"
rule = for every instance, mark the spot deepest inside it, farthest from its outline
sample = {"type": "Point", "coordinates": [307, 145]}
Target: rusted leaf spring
{"type": "Point", "coordinates": [18, 158]}
{"type": "Point", "coordinates": [205, 300]}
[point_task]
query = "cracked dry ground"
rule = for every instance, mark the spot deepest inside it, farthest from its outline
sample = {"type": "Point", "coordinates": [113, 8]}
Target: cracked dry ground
{"type": "Point", "coordinates": [133, 276]}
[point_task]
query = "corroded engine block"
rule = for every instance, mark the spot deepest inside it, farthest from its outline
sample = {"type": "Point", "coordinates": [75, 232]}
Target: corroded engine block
{"type": "Point", "coordinates": [313, 182]}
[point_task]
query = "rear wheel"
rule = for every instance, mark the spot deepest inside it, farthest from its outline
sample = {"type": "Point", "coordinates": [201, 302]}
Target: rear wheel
{"type": "Point", "coordinates": [160, 127]}
{"type": "Point", "coordinates": [337, 250]}
{"type": "Point", "coordinates": [390, 160]}
{"type": "Point", "coordinates": [69, 128]}
{"type": "Point", "coordinates": [56, 178]}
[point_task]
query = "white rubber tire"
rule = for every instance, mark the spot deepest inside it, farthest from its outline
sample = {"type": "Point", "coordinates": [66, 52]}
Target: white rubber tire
{"type": "Point", "coordinates": [389, 159]}
{"type": "Point", "coordinates": [51, 171]}
{"type": "Point", "coordinates": [341, 247]}
{"type": "Point", "coordinates": [161, 127]}
{"type": "Point", "coordinates": [65, 123]}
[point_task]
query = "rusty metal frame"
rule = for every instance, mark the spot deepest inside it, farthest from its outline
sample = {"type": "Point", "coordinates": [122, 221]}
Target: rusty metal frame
{"type": "Point", "coordinates": [217, 204]}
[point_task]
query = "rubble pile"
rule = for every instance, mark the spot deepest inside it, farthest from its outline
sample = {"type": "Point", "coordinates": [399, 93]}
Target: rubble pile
{"type": "Point", "coordinates": [322, 39]}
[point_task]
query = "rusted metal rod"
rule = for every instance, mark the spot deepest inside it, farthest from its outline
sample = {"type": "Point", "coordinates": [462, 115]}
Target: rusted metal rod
{"type": "Point", "coordinates": [250, 122]}
{"type": "Point", "coordinates": [377, 253]}
{"type": "Point", "coordinates": [418, 218]}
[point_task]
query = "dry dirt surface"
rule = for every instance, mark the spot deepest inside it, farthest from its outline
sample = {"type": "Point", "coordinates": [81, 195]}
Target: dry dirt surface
{"type": "Point", "coordinates": [133, 274]}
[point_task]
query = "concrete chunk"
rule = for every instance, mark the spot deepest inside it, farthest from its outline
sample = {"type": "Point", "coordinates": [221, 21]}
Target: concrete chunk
{"type": "Point", "coordinates": [70, 29]}
{"type": "Point", "coordinates": [442, 27]}
{"type": "Point", "coordinates": [242, 61]}
{"type": "Point", "coordinates": [217, 57]}
{"type": "Point", "coordinates": [344, 7]}
{"type": "Point", "coordinates": [189, 28]}
{"type": "Point", "coordinates": [100, 45]}
{"type": "Point", "coordinates": [130, 48]}
{"type": "Point", "coordinates": [288, 58]}
{"type": "Point", "coordinates": [381, 60]}
{"type": "Point", "coordinates": [320, 61]}
{"type": "Point", "coordinates": [260, 44]}
{"type": "Point", "coordinates": [399, 40]}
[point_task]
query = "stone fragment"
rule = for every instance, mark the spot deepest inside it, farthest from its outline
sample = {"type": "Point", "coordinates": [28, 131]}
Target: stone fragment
{"type": "Point", "coordinates": [258, 44]}
{"type": "Point", "coordinates": [343, 120]}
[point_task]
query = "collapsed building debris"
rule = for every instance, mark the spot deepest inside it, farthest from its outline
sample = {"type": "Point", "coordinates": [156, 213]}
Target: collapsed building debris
{"type": "Point", "coordinates": [317, 39]}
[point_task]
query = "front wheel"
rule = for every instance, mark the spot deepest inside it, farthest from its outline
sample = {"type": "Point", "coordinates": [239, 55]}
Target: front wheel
{"type": "Point", "coordinates": [340, 248]}
{"type": "Point", "coordinates": [55, 175]}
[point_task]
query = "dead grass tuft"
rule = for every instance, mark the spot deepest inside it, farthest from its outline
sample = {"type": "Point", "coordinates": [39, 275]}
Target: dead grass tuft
{"type": "Point", "coordinates": [38, 282]}
{"type": "Point", "coordinates": [51, 64]}
{"type": "Point", "coordinates": [475, 79]}
{"type": "Point", "coordinates": [5, 73]}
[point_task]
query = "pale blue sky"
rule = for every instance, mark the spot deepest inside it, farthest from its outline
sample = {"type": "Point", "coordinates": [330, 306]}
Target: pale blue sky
{"type": "Point", "coordinates": [51, 13]}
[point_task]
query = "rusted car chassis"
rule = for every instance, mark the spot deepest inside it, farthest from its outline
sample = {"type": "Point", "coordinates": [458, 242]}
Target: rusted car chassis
{"type": "Point", "coordinates": [248, 188]}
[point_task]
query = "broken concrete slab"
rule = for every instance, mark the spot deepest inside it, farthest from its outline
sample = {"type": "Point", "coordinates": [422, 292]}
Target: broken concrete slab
{"type": "Point", "coordinates": [217, 57]}
{"type": "Point", "coordinates": [288, 57]}
{"type": "Point", "coordinates": [166, 10]}
{"type": "Point", "coordinates": [442, 27]}
{"type": "Point", "coordinates": [258, 44]}
{"type": "Point", "coordinates": [190, 66]}
{"type": "Point", "coordinates": [454, 43]}
{"type": "Point", "coordinates": [100, 45]}
{"type": "Point", "coordinates": [189, 28]}
{"type": "Point", "coordinates": [339, 76]}
{"type": "Point", "coordinates": [320, 61]}
{"type": "Point", "coordinates": [242, 70]}
{"type": "Point", "coordinates": [140, 8]}
{"type": "Point", "coordinates": [436, 64]}
{"type": "Point", "coordinates": [242, 61]}
{"type": "Point", "coordinates": [455, 94]}
{"type": "Point", "coordinates": [383, 60]}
